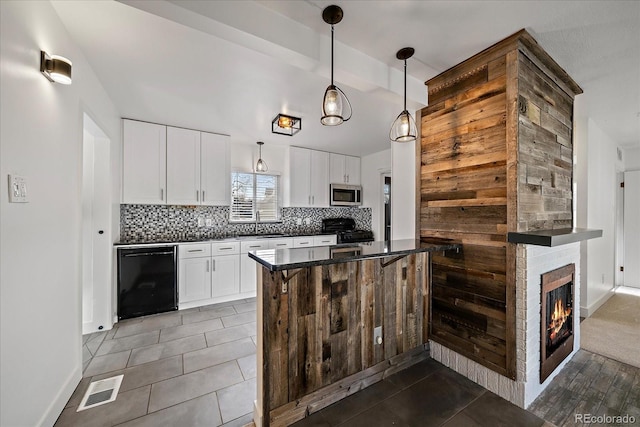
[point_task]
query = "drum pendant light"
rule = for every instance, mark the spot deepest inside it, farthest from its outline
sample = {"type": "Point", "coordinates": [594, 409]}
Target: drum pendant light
{"type": "Point", "coordinates": [404, 127]}
{"type": "Point", "coordinates": [334, 98]}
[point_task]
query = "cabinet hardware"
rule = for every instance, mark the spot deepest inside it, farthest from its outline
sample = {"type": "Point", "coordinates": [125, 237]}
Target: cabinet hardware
{"type": "Point", "coordinates": [313, 200]}
{"type": "Point", "coordinates": [281, 244]}
{"type": "Point", "coordinates": [161, 194]}
{"type": "Point", "coordinates": [213, 265]}
{"type": "Point", "coordinates": [226, 249]}
{"type": "Point", "coordinates": [203, 195]}
{"type": "Point", "coordinates": [194, 250]}
{"type": "Point", "coordinates": [309, 199]}
{"type": "Point", "coordinates": [303, 243]}
{"type": "Point", "coordinates": [207, 266]}
{"type": "Point", "coordinates": [197, 196]}
{"type": "Point", "coordinates": [255, 246]}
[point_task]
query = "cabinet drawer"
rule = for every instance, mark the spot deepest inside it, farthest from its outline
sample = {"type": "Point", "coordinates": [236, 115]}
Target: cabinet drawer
{"type": "Point", "coordinates": [280, 243]}
{"type": "Point", "coordinates": [254, 245]}
{"type": "Point", "coordinates": [226, 248]}
{"type": "Point", "coordinates": [303, 242]}
{"type": "Point", "coordinates": [195, 250]}
{"type": "Point", "coordinates": [324, 240]}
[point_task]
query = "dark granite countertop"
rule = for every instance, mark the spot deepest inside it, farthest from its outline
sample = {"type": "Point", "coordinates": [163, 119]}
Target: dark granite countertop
{"type": "Point", "coordinates": [285, 259]}
{"type": "Point", "coordinates": [214, 238]}
{"type": "Point", "coordinates": [557, 237]}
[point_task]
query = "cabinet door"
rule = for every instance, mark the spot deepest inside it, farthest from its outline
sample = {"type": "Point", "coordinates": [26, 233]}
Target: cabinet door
{"type": "Point", "coordinates": [195, 279]}
{"type": "Point", "coordinates": [214, 169]}
{"type": "Point", "coordinates": [299, 159]}
{"type": "Point", "coordinates": [352, 169]}
{"type": "Point", "coordinates": [183, 166]}
{"type": "Point", "coordinates": [144, 162]}
{"type": "Point", "coordinates": [337, 174]}
{"type": "Point", "coordinates": [303, 242]}
{"type": "Point", "coordinates": [248, 274]}
{"type": "Point", "coordinates": [225, 279]}
{"type": "Point", "coordinates": [319, 178]}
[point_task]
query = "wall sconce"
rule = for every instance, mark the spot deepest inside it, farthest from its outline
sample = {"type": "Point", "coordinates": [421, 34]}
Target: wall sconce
{"type": "Point", "coordinates": [261, 166]}
{"type": "Point", "coordinates": [55, 68]}
{"type": "Point", "coordinates": [286, 125]}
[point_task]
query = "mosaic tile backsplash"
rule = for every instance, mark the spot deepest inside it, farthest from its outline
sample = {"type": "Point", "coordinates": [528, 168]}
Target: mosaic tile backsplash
{"type": "Point", "coordinates": [163, 222]}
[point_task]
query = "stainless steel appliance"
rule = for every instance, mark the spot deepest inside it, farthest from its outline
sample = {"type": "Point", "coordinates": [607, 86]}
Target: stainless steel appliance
{"type": "Point", "coordinates": [345, 229]}
{"type": "Point", "coordinates": [147, 281]}
{"type": "Point", "coordinates": [345, 195]}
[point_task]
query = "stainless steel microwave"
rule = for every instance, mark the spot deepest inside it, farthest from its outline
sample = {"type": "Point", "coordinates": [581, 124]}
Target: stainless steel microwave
{"type": "Point", "coordinates": [345, 195]}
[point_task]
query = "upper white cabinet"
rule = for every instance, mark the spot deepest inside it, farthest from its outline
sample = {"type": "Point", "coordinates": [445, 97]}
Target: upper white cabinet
{"type": "Point", "coordinates": [214, 169]}
{"type": "Point", "coordinates": [344, 169]}
{"type": "Point", "coordinates": [183, 166]}
{"type": "Point", "coordinates": [309, 177]}
{"type": "Point", "coordinates": [144, 162]}
{"type": "Point", "coordinates": [197, 168]}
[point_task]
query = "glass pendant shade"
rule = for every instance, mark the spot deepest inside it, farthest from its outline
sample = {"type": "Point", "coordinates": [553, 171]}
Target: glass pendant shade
{"type": "Point", "coordinates": [404, 128]}
{"type": "Point", "coordinates": [332, 107]}
{"type": "Point", "coordinates": [261, 165]}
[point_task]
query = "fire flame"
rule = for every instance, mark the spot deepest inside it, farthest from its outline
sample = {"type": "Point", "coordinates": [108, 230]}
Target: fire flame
{"type": "Point", "coordinates": [558, 317]}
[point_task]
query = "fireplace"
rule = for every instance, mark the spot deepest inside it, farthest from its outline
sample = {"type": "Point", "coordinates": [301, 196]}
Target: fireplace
{"type": "Point", "coordinates": [556, 318]}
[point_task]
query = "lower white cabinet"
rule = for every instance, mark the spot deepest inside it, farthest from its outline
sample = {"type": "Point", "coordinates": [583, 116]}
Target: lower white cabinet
{"type": "Point", "coordinates": [209, 273]}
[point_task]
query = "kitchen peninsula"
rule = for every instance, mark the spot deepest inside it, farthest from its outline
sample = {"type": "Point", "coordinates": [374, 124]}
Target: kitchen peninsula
{"type": "Point", "coordinates": [333, 320]}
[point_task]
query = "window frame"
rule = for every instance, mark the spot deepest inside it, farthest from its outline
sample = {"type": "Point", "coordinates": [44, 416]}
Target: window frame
{"type": "Point", "coordinates": [278, 207]}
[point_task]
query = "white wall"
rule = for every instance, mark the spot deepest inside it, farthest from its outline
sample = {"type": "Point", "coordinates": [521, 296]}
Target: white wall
{"type": "Point", "coordinates": [596, 169]}
{"type": "Point", "coordinates": [371, 169]}
{"type": "Point", "coordinates": [632, 159]}
{"type": "Point", "coordinates": [403, 188]}
{"type": "Point", "coordinates": [41, 138]}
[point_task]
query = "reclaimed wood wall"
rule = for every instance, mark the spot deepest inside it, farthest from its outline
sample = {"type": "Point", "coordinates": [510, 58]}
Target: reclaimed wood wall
{"type": "Point", "coordinates": [319, 335]}
{"type": "Point", "coordinates": [486, 169]}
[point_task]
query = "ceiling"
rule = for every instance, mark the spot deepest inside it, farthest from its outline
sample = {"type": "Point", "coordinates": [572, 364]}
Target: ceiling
{"type": "Point", "coordinates": [230, 66]}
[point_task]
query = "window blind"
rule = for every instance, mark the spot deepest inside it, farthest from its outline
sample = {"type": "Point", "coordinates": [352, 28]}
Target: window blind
{"type": "Point", "coordinates": [251, 193]}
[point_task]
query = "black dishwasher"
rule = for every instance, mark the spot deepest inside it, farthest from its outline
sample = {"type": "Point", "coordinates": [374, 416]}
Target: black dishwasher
{"type": "Point", "coordinates": [147, 281]}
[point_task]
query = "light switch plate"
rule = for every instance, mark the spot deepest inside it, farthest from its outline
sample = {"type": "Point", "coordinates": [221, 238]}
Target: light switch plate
{"type": "Point", "coordinates": [18, 189]}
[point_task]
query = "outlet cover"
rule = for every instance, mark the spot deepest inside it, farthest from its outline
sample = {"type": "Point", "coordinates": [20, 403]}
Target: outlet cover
{"type": "Point", "coordinates": [377, 335]}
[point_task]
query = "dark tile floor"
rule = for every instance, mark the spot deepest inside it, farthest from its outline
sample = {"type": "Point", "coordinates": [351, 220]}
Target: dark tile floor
{"type": "Point", "coordinates": [426, 394]}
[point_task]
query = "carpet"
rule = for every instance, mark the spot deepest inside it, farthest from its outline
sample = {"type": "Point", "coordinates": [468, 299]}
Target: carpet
{"type": "Point", "coordinates": [614, 330]}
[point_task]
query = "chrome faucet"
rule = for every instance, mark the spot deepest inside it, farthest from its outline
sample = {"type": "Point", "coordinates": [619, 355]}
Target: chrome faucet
{"type": "Point", "coordinates": [257, 220]}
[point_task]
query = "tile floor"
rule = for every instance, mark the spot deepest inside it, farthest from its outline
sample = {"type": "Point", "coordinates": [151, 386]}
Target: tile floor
{"type": "Point", "coordinates": [193, 367]}
{"type": "Point", "coordinates": [426, 394]}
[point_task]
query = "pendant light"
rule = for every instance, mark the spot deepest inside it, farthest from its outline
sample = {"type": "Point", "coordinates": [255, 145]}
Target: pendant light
{"type": "Point", "coordinates": [334, 98]}
{"type": "Point", "coordinates": [404, 127]}
{"type": "Point", "coordinates": [261, 166]}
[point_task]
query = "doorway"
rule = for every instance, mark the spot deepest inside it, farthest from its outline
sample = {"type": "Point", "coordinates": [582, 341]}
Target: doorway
{"type": "Point", "coordinates": [386, 193]}
{"type": "Point", "coordinates": [96, 228]}
{"type": "Point", "coordinates": [631, 245]}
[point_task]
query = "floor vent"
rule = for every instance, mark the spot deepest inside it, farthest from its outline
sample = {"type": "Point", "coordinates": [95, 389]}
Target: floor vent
{"type": "Point", "coordinates": [101, 392]}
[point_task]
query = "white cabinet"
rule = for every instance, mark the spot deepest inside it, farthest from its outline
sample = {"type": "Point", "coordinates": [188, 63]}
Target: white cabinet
{"type": "Point", "coordinates": [326, 240]}
{"type": "Point", "coordinates": [225, 275]}
{"type": "Point", "coordinates": [144, 162]}
{"type": "Point", "coordinates": [197, 168]}
{"type": "Point", "coordinates": [248, 271]}
{"type": "Point", "coordinates": [214, 169]}
{"type": "Point", "coordinates": [183, 166]}
{"type": "Point", "coordinates": [303, 242]}
{"type": "Point", "coordinates": [208, 273]}
{"type": "Point", "coordinates": [283, 243]}
{"type": "Point", "coordinates": [309, 177]}
{"type": "Point", "coordinates": [194, 267]}
{"type": "Point", "coordinates": [344, 169]}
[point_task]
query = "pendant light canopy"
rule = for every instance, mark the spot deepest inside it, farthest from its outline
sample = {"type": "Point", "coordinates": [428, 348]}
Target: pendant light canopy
{"type": "Point", "coordinates": [261, 166]}
{"type": "Point", "coordinates": [334, 98]}
{"type": "Point", "coordinates": [404, 127]}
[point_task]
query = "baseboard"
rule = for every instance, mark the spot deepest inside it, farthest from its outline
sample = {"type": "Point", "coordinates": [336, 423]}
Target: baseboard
{"type": "Point", "coordinates": [57, 405]}
{"type": "Point", "coordinates": [588, 311]}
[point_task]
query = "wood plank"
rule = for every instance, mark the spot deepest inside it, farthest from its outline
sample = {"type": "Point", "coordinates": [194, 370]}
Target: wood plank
{"type": "Point", "coordinates": [354, 327]}
{"type": "Point", "coordinates": [429, 135]}
{"type": "Point", "coordinates": [481, 141]}
{"type": "Point", "coordinates": [491, 176]}
{"type": "Point", "coordinates": [453, 87]}
{"type": "Point", "coordinates": [389, 281]}
{"type": "Point", "coordinates": [489, 201]}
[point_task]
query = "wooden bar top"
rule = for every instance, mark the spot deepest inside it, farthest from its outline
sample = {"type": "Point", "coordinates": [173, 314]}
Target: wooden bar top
{"type": "Point", "coordinates": [286, 259]}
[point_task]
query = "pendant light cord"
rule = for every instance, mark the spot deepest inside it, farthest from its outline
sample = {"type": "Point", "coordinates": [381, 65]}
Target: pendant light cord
{"type": "Point", "coordinates": [332, 55]}
{"type": "Point", "coordinates": [405, 85]}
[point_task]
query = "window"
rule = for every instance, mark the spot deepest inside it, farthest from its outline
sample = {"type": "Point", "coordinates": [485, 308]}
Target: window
{"type": "Point", "coordinates": [251, 193]}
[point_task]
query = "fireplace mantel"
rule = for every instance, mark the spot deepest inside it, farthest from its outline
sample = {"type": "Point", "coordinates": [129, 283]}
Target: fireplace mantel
{"type": "Point", "coordinates": [561, 236]}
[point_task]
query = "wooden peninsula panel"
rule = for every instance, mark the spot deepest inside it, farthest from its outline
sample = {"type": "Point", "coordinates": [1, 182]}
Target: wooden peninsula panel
{"type": "Point", "coordinates": [494, 154]}
{"type": "Point", "coordinates": [318, 336]}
